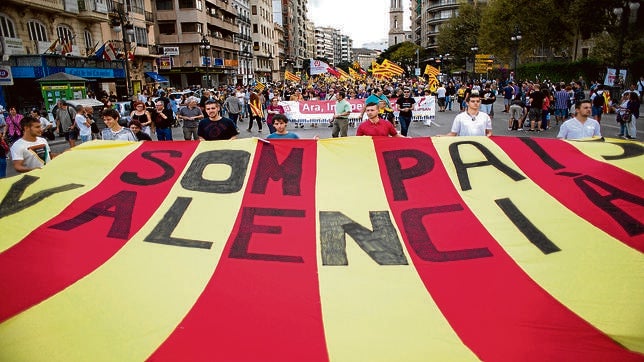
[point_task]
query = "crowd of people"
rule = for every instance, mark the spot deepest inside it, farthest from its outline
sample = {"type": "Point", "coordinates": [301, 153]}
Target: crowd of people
{"type": "Point", "coordinates": [217, 114]}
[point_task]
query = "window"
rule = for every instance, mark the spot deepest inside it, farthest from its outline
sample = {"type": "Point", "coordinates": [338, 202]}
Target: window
{"type": "Point", "coordinates": [137, 6]}
{"type": "Point", "coordinates": [6, 27]}
{"type": "Point", "coordinates": [191, 28]}
{"type": "Point", "coordinates": [37, 31]}
{"type": "Point", "coordinates": [66, 33]}
{"type": "Point", "coordinates": [187, 4]}
{"type": "Point", "coordinates": [167, 28]}
{"type": "Point", "coordinates": [255, 28]}
{"type": "Point", "coordinates": [254, 9]}
{"type": "Point", "coordinates": [164, 4]}
{"type": "Point", "coordinates": [141, 36]}
{"type": "Point", "coordinates": [88, 40]}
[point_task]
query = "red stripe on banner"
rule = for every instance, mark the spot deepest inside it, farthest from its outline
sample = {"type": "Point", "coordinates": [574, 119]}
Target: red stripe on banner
{"type": "Point", "coordinates": [92, 229]}
{"type": "Point", "coordinates": [495, 308]}
{"type": "Point", "coordinates": [263, 300]}
{"type": "Point", "coordinates": [606, 196]}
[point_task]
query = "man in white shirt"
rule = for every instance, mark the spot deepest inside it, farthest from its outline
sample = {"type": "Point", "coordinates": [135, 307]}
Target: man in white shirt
{"type": "Point", "coordinates": [471, 122]}
{"type": "Point", "coordinates": [31, 151]}
{"type": "Point", "coordinates": [580, 126]}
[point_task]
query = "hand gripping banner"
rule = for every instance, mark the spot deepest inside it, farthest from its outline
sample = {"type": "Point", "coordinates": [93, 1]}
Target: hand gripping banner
{"type": "Point", "coordinates": [351, 249]}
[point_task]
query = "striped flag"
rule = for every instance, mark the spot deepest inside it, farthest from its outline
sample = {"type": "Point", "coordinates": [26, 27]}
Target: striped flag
{"type": "Point", "coordinates": [52, 47]}
{"type": "Point", "coordinates": [354, 74]}
{"type": "Point", "coordinates": [356, 65]}
{"type": "Point", "coordinates": [130, 54]}
{"type": "Point", "coordinates": [431, 70]}
{"type": "Point", "coordinates": [109, 52]}
{"type": "Point", "coordinates": [292, 77]}
{"type": "Point", "coordinates": [343, 75]}
{"type": "Point", "coordinates": [392, 67]}
{"type": "Point", "coordinates": [260, 86]}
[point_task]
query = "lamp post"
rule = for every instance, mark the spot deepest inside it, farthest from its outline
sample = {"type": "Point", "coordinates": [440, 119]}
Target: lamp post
{"type": "Point", "coordinates": [474, 49]}
{"type": "Point", "coordinates": [630, 9]}
{"type": "Point", "coordinates": [205, 50]}
{"type": "Point", "coordinates": [120, 21]}
{"type": "Point", "coordinates": [270, 66]}
{"type": "Point", "coordinates": [516, 38]}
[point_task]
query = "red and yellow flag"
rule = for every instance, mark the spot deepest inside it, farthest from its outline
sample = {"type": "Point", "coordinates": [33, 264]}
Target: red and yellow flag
{"type": "Point", "coordinates": [292, 77]}
{"type": "Point", "coordinates": [394, 68]}
{"type": "Point", "coordinates": [458, 248]}
{"type": "Point", "coordinates": [430, 70]}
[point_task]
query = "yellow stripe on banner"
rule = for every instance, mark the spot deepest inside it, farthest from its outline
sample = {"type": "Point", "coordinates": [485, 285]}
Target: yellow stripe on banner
{"type": "Point", "coordinates": [597, 277]}
{"type": "Point", "coordinates": [137, 307]}
{"type": "Point", "coordinates": [72, 165]}
{"type": "Point", "coordinates": [373, 312]}
{"type": "Point", "coordinates": [627, 155]}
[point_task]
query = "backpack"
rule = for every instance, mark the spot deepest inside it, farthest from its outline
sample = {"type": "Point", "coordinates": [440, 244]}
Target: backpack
{"type": "Point", "coordinates": [598, 101]}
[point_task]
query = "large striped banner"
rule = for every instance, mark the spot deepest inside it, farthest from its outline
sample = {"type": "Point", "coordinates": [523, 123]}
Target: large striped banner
{"type": "Point", "coordinates": [351, 249]}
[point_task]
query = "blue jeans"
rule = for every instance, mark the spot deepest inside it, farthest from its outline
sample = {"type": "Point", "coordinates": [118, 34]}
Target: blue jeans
{"type": "Point", "coordinates": [3, 167]}
{"type": "Point", "coordinates": [404, 124]}
{"type": "Point", "coordinates": [164, 134]}
{"type": "Point", "coordinates": [233, 117]}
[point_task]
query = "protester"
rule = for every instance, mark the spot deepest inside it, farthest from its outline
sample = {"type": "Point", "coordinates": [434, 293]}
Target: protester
{"type": "Point", "coordinates": [14, 130]}
{"type": "Point", "coordinates": [341, 116]}
{"type": "Point", "coordinates": [162, 118]}
{"type": "Point", "coordinates": [31, 151]}
{"type": "Point", "coordinates": [405, 107]}
{"type": "Point", "coordinates": [191, 116]}
{"type": "Point", "coordinates": [273, 109]}
{"type": "Point", "coordinates": [581, 126]}
{"type": "Point", "coordinates": [135, 127]}
{"type": "Point", "coordinates": [472, 122]}
{"type": "Point", "coordinates": [114, 131]}
{"type": "Point", "coordinates": [142, 114]}
{"type": "Point", "coordinates": [216, 127]}
{"type": "Point", "coordinates": [65, 120]}
{"type": "Point", "coordinates": [280, 121]}
{"type": "Point", "coordinates": [374, 125]}
{"type": "Point", "coordinates": [82, 124]}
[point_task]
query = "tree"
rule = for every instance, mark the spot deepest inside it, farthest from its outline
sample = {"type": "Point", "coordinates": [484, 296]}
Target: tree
{"type": "Point", "coordinates": [403, 54]}
{"type": "Point", "coordinates": [460, 33]}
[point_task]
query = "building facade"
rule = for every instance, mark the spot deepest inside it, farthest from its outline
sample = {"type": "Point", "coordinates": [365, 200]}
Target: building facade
{"type": "Point", "coordinates": [263, 37]}
{"type": "Point", "coordinates": [396, 32]}
{"type": "Point", "coordinates": [245, 70]}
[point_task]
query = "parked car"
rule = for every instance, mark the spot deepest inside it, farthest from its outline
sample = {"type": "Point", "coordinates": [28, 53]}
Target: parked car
{"type": "Point", "coordinates": [124, 109]}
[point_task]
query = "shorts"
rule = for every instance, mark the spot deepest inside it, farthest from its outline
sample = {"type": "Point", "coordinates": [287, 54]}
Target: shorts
{"type": "Point", "coordinates": [507, 102]}
{"type": "Point", "coordinates": [597, 111]}
{"type": "Point", "coordinates": [561, 112]}
{"type": "Point", "coordinates": [441, 102]}
{"type": "Point", "coordinates": [70, 135]}
{"type": "Point", "coordinates": [516, 112]}
{"type": "Point", "coordinates": [534, 115]}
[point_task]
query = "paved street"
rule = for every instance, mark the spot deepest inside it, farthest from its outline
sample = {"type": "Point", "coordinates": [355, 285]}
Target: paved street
{"type": "Point", "coordinates": [442, 126]}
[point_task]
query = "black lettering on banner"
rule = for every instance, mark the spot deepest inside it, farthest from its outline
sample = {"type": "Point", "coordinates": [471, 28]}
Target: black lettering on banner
{"type": "Point", "coordinates": [289, 171]}
{"type": "Point", "coordinates": [630, 150]}
{"type": "Point", "coordinates": [604, 201]}
{"type": "Point", "coordinates": [397, 175]}
{"type": "Point", "coordinates": [543, 155]}
{"type": "Point", "coordinates": [118, 206]}
{"type": "Point", "coordinates": [12, 204]}
{"type": "Point", "coordinates": [237, 160]}
{"type": "Point", "coordinates": [239, 249]}
{"type": "Point", "coordinates": [382, 244]}
{"type": "Point", "coordinates": [527, 228]}
{"type": "Point", "coordinates": [421, 242]}
{"type": "Point", "coordinates": [168, 171]}
{"type": "Point", "coordinates": [162, 233]}
{"type": "Point", "coordinates": [461, 167]}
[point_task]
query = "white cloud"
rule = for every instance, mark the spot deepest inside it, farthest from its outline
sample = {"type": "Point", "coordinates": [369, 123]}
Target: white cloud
{"type": "Point", "coordinates": [363, 21]}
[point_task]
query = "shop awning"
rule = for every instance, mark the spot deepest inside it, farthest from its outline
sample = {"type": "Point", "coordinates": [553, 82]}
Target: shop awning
{"type": "Point", "coordinates": [157, 77]}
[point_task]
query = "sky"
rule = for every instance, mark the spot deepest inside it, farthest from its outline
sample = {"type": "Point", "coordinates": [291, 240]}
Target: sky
{"type": "Point", "coordinates": [365, 21]}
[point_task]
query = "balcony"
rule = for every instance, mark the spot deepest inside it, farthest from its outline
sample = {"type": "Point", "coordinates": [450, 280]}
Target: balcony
{"type": "Point", "coordinates": [49, 6]}
{"type": "Point", "coordinates": [90, 10]}
{"type": "Point", "coordinates": [442, 5]}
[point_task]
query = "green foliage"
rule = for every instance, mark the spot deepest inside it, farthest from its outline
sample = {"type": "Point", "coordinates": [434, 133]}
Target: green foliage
{"type": "Point", "coordinates": [460, 34]}
{"type": "Point", "coordinates": [403, 54]}
{"type": "Point", "coordinates": [557, 71]}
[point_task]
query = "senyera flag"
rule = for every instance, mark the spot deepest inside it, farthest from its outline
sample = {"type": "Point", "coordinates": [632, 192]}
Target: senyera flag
{"type": "Point", "coordinates": [352, 249]}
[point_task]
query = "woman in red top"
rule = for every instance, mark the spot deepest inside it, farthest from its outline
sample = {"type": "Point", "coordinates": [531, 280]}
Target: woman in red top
{"type": "Point", "coordinates": [273, 109]}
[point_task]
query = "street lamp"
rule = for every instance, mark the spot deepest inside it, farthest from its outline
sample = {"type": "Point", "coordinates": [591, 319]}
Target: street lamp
{"type": "Point", "coordinates": [120, 21]}
{"type": "Point", "coordinates": [629, 8]}
{"type": "Point", "coordinates": [474, 49]}
{"type": "Point", "coordinates": [205, 49]}
{"type": "Point", "coordinates": [270, 65]}
{"type": "Point", "coordinates": [516, 38]}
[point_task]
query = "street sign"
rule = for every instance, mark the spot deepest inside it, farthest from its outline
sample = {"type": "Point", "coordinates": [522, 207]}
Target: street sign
{"type": "Point", "coordinates": [5, 75]}
{"type": "Point", "coordinates": [170, 50]}
{"type": "Point", "coordinates": [483, 62]}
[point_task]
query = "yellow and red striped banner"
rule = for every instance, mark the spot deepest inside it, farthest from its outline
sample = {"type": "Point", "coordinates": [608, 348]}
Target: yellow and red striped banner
{"type": "Point", "coordinates": [383, 249]}
{"type": "Point", "coordinates": [292, 77]}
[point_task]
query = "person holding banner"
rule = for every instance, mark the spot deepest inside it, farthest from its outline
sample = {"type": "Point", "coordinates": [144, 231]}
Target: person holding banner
{"type": "Point", "coordinates": [374, 125]}
{"type": "Point", "coordinates": [215, 127]}
{"type": "Point", "coordinates": [31, 151]}
{"type": "Point", "coordinates": [341, 116]}
{"type": "Point", "coordinates": [472, 122]}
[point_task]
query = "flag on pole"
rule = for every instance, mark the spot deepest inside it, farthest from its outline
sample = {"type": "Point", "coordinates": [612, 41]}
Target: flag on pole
{"type": "Point", "coordinates": [333, 72]}
{"type": "Point", "coordinates": [260, 86]}
{"type": "Point", "coordinates": [92, 50]}
{"type": "Point", "coordinates": [356, 65]}
{"type": "Point", "coordinates": [130, 54]}
{"type": "Point", "coordinates": [392, 67]}
{"type": "Point", "coordinates": [318, 67]}
{"type": "Point", "coordinates": [344, 75]}
{"type": "Point", "coordinates": [354, 74]}
{"type": "Point", "coordinates": [292, 77]}
{"type": "Point", "coordinates": [109, 52]}
{"type": "Point", "coordinates": [52, 47]}
{"type": "Point", "coordinates": [431, 70]}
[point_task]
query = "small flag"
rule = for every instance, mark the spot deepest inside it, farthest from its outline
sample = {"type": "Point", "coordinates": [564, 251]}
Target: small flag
{"type": "Point", "coordinates": [356, 65]}
{"type": "Point", "coordinates": [130, 54]}
{"type": "Point", "coordinates": [431, 70]}
{"type": "Point", "coordinates": [292, 77]}
{"type": "Point", "coordinates": [52, 47]}
{"type": "Point", "coordinates": [109, 52]}
{"type": "Point", "coordinates": [260, 86]}
{"type": "Point", "coordinates": [392, 67]}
